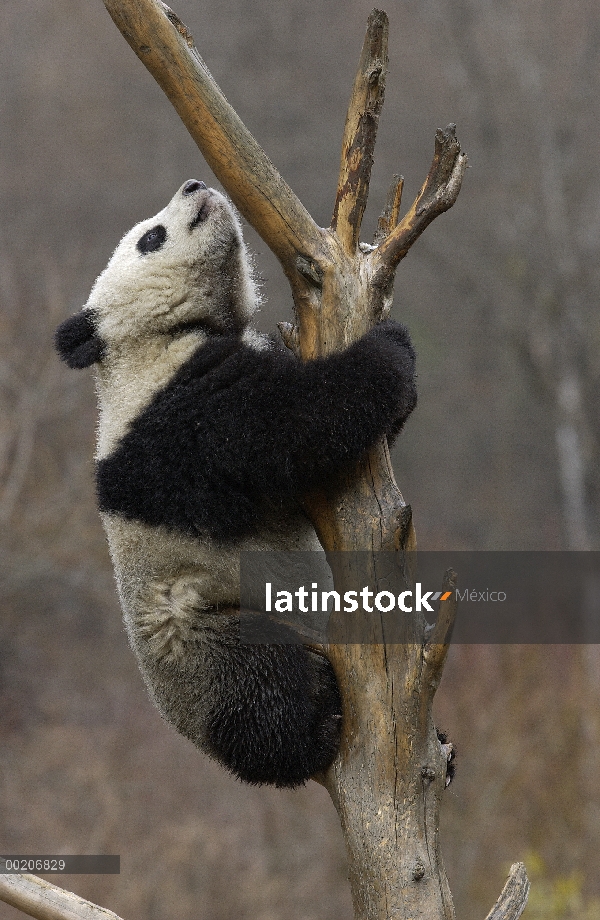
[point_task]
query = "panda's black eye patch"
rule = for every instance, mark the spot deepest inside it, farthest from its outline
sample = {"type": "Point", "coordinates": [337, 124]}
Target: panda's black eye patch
{"type": "Point", "coordinates": [152, 239]}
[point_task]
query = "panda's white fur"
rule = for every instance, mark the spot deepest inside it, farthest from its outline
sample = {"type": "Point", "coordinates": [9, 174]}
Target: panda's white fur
{"type": "Point", "coordinates": [208, 437]}
{"type": "Point", "coordinates": [138, 300]}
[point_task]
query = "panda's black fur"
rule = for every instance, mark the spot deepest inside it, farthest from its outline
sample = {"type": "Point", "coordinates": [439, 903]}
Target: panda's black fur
{"type": "Point", "coordinates": [77, 342]}
{"type": "Point", "coordinates": [236, 428]}
{"type": "Point", "coordinates": [209, 437]}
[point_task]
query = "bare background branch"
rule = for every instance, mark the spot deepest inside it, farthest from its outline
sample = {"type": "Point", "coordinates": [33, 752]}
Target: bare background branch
{"type": "Point", "coordinates": [40, 899]}
{"type": "Point", "coordinates": [502, 452]}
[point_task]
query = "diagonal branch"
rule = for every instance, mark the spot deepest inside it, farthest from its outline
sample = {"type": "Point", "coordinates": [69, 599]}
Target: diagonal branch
{"type": "Point", "coordinates": [438, 193]}
{"type": "Point", "coordinates": [360, 133]}
{"type": "Point", "coordinates": [38, 898]}
{"type": "Point", "coordinates": [164, 45]}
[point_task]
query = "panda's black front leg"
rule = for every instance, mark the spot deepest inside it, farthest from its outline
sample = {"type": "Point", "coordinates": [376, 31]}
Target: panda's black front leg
{"type": "Point", "coordinates": [323, 414]}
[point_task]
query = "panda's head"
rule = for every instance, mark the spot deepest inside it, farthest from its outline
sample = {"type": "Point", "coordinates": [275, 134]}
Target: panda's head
{"type": "Point", "coordinates": [186, 267]}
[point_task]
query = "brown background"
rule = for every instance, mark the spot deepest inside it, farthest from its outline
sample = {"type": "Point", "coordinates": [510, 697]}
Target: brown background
{"type": "Point", "coordinates": [501, 295]}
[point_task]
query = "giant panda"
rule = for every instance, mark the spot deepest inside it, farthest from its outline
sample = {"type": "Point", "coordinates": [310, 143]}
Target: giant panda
{"type": "Point", "coordinates": [209, 436]}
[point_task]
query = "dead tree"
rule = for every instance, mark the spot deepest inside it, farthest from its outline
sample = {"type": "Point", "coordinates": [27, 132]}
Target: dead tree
{"type": "Point", "coordinates": [388, 779]}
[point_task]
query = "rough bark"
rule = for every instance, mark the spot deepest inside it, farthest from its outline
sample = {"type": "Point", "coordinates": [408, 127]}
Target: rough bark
{"type": "Point", "coordinates": [360, 134]}
{"type": "Point", "coordinates": [38, 898]}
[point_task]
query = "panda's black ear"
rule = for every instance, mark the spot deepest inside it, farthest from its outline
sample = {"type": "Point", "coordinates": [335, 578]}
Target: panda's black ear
{"type": "Point", "coordinates": [77, 340]}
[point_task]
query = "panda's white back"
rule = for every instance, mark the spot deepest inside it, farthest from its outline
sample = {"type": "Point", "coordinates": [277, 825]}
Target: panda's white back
{"type": "Point", "coordinates": [136, 300]}
{"type": "Point", "coordinates": [152, 564]}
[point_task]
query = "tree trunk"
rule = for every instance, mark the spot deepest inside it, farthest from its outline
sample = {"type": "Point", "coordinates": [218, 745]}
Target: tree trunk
{"type": "Point", "coordinates": [388, 779]}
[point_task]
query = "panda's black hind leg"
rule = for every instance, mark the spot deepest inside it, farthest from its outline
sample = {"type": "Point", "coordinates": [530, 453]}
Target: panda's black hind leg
{"type": "Point", "coordinates": [276, 712]}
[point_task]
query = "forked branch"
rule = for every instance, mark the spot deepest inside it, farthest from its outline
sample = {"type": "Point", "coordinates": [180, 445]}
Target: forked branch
{"type": "Point", "coordinates": [438, 194]}
{"type": "Point", "coordinates": [166, 47]}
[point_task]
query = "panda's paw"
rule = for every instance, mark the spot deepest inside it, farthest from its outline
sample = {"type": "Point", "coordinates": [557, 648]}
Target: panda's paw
{"type": "Point", "coordinates": [392, 331]}
{"type": "Point", "coordinates": [328, 710]}
{"type": "Point", "coordinates": [449, 752]}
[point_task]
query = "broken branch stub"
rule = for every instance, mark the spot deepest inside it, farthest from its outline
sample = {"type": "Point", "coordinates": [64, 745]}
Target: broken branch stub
{"type": "Point", "coordinates": [438, 194]}
{"type": "Point", "coordinates": [438, 644]}
{"type": "Point", "coordinates": [391, 211]}
{"type": "Point", "coordinates": [513, 898]}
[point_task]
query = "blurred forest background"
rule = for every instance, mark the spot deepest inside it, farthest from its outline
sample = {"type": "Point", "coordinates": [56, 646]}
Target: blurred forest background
{"type": "Point", "coordinates": [501, 295]}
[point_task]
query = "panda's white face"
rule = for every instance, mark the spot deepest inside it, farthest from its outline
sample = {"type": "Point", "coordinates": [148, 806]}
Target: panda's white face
{"type": "Point", "coordinates": [186, 265]}
{"type": "Point", "coordinates": [172, 281]}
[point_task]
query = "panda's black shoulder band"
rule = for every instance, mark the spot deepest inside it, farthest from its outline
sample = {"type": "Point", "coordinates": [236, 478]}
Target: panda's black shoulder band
{"type": "Point", "coordinates": [77, 340]}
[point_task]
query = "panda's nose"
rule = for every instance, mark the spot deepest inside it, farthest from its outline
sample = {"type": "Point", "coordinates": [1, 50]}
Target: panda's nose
{"type": "Point", "coordinates": [192, 186]}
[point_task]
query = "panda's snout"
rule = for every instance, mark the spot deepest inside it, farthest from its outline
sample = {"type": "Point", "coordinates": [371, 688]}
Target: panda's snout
{"type": "Point", "coordinates": [193, 185]}
{"type": "Point", "coordinates": [204, 202]}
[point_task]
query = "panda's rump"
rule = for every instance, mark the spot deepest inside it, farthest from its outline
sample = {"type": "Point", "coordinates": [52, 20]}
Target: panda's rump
{"type": "Point", "coordinates": [271, 713]}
